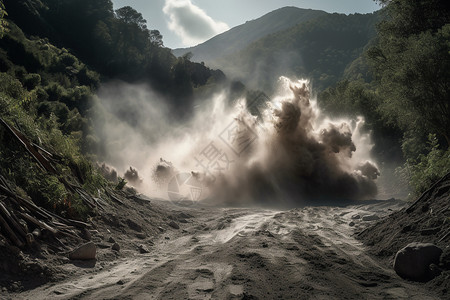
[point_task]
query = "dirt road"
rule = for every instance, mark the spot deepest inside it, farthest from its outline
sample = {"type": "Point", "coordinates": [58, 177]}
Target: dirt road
{"type": "Point", "coordinates": [223, 253]}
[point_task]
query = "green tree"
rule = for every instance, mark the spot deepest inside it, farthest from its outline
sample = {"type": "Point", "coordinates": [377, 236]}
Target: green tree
{"type": "Point", "coordinates": [412, 65]}
{"type": "Point", "coordinates": [156, 38]}
{"type": "Point", "coordinates": [129, 15]}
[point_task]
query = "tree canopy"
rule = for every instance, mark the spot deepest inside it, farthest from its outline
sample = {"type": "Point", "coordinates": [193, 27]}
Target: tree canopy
{"type": "Point", "coordinates": [411, 62]}
{"type": "Point", "coordinates": [407, 98]}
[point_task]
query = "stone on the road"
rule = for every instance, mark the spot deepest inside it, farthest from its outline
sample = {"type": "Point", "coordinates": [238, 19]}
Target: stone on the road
{"type": "Point", "coordinates": [413, 261]}
{"type": "Point", "coordinates": [116, 247]}
{"type": "Point", "coordinates": [174, 225]}
{"type": "Point", "coordinates": [84, 252]}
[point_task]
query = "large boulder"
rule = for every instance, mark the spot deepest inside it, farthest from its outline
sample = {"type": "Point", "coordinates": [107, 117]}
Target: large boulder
{"type": "Point", "coordinates": [84, 252]}
{"type": "Point", "coordinates": [413, 261]}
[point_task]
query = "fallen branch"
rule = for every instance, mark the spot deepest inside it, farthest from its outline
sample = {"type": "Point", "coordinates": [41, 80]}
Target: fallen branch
{"type": "Point", "coordinates": [411, 207]}
{"type": "Point", "coordinates": [40, 159]}
{"type": "Point", "coordinates": [87, 199]}
{"type": "Point", "coordinates": [26, 203]}
{"type": "Point", "coordinates": [10, 218]}
{"type": "Point", "coordinates": [39, 223]}
{"type": "Point", "coordinates": [113, 197]}
{"type": "Point", "coordinates": [11, 233]}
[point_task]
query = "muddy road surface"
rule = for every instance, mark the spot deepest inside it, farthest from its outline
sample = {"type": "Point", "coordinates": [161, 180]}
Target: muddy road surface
{"type": "Point", "coordinates": [243, 253]}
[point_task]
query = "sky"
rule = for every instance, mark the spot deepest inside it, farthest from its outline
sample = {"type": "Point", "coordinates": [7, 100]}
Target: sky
{"type": "Point", "coordinates": [185, 23]}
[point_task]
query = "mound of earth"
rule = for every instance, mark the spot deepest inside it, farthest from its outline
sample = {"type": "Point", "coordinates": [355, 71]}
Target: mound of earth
{"type": "Point", "coordinates": [121, 229]}
{"type": "Point", "coordinates": [427, 220]}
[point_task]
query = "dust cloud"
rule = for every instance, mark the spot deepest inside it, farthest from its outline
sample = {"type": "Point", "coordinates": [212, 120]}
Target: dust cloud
{"type": "Point", "coordinates": [279, 151]}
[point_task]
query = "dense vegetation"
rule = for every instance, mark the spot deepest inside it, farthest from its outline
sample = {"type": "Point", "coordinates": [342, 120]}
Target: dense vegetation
{"type": "Point", "coordinates": [410, 90]}
{"type": "Point", "coordinates": [116, 44]}
{"type": "Point", "coordinates": [53, 57]}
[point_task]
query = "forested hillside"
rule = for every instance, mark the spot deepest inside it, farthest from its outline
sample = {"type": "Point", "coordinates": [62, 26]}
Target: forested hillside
{"type": "Point", "coordinates": [116, 44]}
{"type": "Point", "coordinates": [53, 57]}
{"type": "Point", "coordinates": [311, 44]}
{"type": "Point", "coordinates": [320, 49]}
{"type": "Point", "coordinates": [407, 99]}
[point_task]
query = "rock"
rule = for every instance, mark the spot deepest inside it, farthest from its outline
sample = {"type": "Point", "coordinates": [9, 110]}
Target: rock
{"type": "Point", "coordinates": [115, 247]}
{"type": "Point", "coordinates": [111, 240]}
{"type": "Point", "coordinates": [36, 233]}
{"type": "Point", "coordinates": [133, 225]}
{"type": "Point", "coordinates": [15, 286]}
{"type": "Point", "coordinates": [174, 225]}
{"type": "Point", "coordinates": [84, 252]}
{"type": "Point", "coordinates": [86, 234]}
{"type": "Point", "coordinates": [413, 261]}
{"type": "Point", "coordinates": [356, 217]}
{"type": "Point", "coordinates": [141, 236]}
{"type": "Point", "coordinates": [351, 224]}
{"type": "Point", "coordinates": [370, 218]}
{"type": "Point", "coordinates": [160, 229]}
{"type": "Point", "coordinates": [142, 249]}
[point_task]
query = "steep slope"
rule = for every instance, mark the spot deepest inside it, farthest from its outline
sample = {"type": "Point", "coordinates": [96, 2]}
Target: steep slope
{"type": "Point", "coordinates": [241, 36]}
{"type": "Point", "coordinates": [425, 221]}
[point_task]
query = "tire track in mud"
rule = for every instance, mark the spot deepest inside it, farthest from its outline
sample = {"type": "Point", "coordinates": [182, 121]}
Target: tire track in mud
{"type": "Point", "coordinates": [244, 253]}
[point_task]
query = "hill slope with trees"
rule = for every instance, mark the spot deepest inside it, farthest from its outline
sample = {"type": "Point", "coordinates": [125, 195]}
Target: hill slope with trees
{"type": "Point", "coordinates": [407, 97]}
{"type": "Point", "coordinates": [53, 57]}
{"type": "Point", "coordinates": [290, 41]}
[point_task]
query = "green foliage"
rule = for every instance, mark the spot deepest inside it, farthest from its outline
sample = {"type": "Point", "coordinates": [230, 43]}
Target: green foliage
{"type": "Point", "coordinates": [427, 168]}
{"type": "Point", "coordinates": [31, 81]}
{"type": "Point", "coordinates": [411, 64]}
{"type": "Point", "coordinates": [357, 98]}
{"type": "Point", "coordinates": [117, 44]}
{"type": "Point", "coordinates": [121, 184]}
{"type": "Point", "coordinates": [129, 15]}
{"type": "Point", "coordinates": [19, 108]}
{"type": "Point", "coordinates": [351, 98]}
{"type": "Point", "coordinates": [3, 22]}
{"type": "Point", "coordinates": [414, 76]}
{"type": "Point", "coordinates": [406, 103]}
{"type": "Point", "coordinates": [47, 91]}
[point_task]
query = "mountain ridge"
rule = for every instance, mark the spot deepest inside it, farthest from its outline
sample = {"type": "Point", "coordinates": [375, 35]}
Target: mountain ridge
{"type": "Point", "coordinates": [292, 42]}
{"type": "Point", "coordinates": [238, 37]}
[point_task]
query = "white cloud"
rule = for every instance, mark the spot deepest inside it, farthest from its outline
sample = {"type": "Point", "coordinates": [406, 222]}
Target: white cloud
{"type": "Point", "coordinates": [191, 23]}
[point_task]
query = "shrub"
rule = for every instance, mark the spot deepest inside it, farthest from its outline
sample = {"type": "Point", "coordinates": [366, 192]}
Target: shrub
{"type": "Point", "coordinates": [427, 168]}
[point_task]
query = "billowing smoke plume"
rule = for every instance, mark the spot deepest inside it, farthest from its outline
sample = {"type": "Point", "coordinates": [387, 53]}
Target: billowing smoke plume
{"type": "Point", "coordinates": [279, 151]}
{"type": "Point", "coordinates": [299, 157]}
